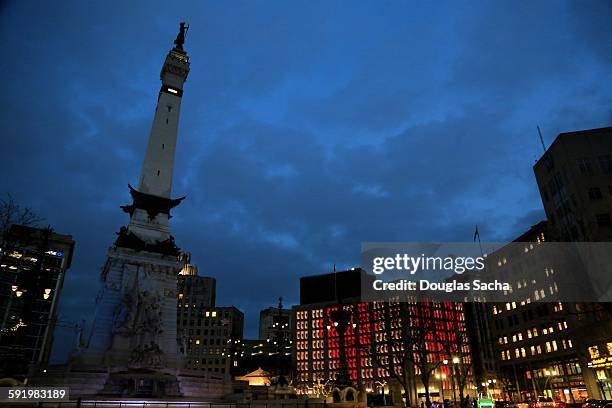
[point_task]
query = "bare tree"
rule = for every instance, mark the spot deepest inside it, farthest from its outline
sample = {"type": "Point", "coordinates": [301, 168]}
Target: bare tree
{"type": "Point", "coordinates": [426, 354]}
{"type": "Point", "coordinates": [455, 344]}
{"type": "Point", "coordinates": [407, 346]}
{"type": "Point", "coordinates": [12, 213]}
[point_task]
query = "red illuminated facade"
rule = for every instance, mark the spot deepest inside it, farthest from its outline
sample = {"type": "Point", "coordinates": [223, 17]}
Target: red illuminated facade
{"type": "Point", "coordinates": [375, 344]}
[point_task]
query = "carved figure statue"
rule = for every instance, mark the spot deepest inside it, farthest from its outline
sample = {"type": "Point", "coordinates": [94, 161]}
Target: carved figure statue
{"type": "Point", "coordinates": [149, 355]}
{"type": "Point", "coordinates": [150, 320]}
{"type": "Point", "coordinates": [180, 38]}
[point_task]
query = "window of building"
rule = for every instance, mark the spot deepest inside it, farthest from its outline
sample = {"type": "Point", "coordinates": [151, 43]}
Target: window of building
{"type": "Point", "coordinates": [594, 351]}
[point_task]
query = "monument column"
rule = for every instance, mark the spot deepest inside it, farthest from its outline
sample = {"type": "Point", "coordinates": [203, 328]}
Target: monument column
{"type": "Point", "coordinates": [135, 322]}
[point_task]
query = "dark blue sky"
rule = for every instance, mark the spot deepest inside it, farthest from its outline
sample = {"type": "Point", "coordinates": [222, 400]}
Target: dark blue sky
{"type": "Point", "coordinates": [306, 127]}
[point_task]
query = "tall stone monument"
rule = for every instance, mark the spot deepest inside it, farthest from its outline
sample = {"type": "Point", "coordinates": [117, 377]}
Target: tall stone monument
{"type": "Point", "coordinates": [132, 350]}
{"type": "Point", "coordinates": [135, 322]}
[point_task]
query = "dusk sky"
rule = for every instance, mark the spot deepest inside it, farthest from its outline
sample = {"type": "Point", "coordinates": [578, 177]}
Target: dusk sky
{"type": "Point", "coordinates": [306, 127]}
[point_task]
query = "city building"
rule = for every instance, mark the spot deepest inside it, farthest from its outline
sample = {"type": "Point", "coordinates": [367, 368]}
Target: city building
{"type": "Point", "coordinates": [272, 351]}
{"type": "Point", "coordinates": [33, 265]}
{"type": "Point", "coordinates": [534, 337]}
{"type": "Point", "coordinates": [204, 332]}
{"type": "Point", "coordinates": [336, 334]}
{"type": "Point", "coordinates": [544, 346]}
{"type": "Point", "coordinates": [200, 291]}
{"type": "Point", "coordinates": [275, 323]}
{"type": "Point", "coordinates": [478, 326]}
{"type": "Point", "coordinates": [574, 176]}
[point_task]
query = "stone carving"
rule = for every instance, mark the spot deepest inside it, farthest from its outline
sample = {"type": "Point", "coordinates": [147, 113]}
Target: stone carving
{"type": "Point", "coordinates": [150, 313]}
{"type": "Point", "coordinates": [139, 314]}
{"type": "Point", "coordinates": [149, 355]}
{"type": "Point", "coordinates": [123, 317]}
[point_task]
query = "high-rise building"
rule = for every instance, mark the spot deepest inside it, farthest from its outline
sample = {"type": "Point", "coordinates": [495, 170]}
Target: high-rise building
{"type": "Point", "coordinates": [535, 339]}
{"type": "Point", "coordinates": [275, 323]}
{"type": "Point", "coordinates": [334, 331]}
{"type": "Point", "coordinates": [205, 333]}
{"type": "Point", "coordinates": [574, 176]}
{"type": "Point", "coordinates": [33, 264]}
{"type": "Point", "coordinates": [199, 291]}
{"type": "Point", "coordinates": [546, 347]}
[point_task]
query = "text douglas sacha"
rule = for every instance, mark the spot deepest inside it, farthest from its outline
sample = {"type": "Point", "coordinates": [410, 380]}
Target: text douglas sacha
{"type": "Point", "coordinates": [452, 286]}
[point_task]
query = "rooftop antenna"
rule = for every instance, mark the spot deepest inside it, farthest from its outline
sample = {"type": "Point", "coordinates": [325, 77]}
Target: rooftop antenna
{"type": "Point", "coordinates": [541, 139]}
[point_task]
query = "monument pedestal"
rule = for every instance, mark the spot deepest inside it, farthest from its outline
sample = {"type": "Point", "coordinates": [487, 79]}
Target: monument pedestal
{"type": "Point", "coordinates": [135, 323]}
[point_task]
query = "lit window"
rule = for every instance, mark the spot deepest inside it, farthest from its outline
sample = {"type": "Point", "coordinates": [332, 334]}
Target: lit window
{"type": "Point", "coordinates": [213, 314]}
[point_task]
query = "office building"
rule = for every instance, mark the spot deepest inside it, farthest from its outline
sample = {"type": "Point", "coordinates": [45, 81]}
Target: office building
{"type": "Point", "coordinates": [331, 324]}
{"type": "Point", "coordinates": [33, 266]}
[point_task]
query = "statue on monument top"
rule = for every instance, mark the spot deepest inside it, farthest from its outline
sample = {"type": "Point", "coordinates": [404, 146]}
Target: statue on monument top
{"type": "Point", "coordinates": [180, 38]}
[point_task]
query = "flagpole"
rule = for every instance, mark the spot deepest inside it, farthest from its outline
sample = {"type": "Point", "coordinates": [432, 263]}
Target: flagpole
{"type": "Point", "coordinates": [477, 235]}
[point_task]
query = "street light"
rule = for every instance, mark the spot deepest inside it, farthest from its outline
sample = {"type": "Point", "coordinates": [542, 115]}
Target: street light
{"type": "Point", "coordinates": [441, 377]}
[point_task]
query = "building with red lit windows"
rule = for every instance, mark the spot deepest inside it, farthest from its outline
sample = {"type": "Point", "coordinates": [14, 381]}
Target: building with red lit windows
{"type": "Point", "coordinates": [375, 345]}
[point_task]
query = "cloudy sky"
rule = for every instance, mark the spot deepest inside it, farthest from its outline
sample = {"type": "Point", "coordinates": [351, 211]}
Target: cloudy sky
{"type": "Point", "coordinates": [306, 127]}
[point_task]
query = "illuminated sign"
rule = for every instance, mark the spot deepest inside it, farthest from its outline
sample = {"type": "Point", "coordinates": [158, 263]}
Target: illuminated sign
{"type": "Point", "coordinates": [601, 362]}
